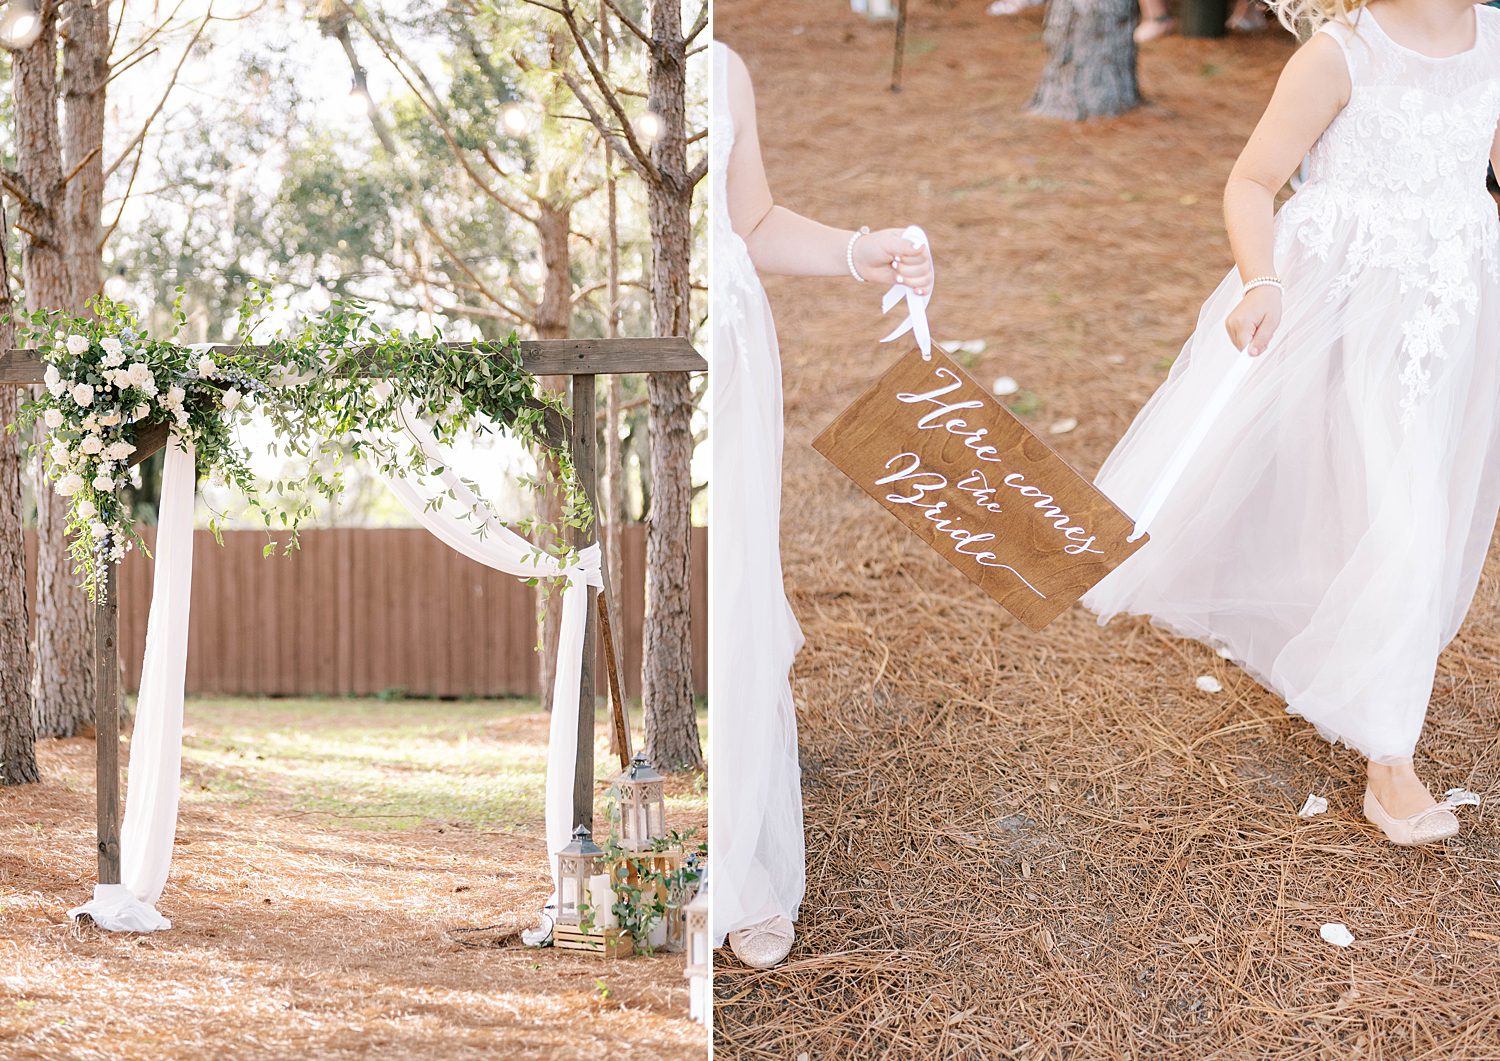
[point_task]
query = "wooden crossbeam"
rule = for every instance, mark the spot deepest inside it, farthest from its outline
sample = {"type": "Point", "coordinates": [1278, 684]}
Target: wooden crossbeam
{"type": "Point", "coordinates": [582, 359]}
{"type": "Point", "coordinates": [539, 357]}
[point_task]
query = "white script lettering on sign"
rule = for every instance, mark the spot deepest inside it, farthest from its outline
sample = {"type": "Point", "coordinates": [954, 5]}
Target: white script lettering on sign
{"type": "Point", "coordinates": [961, 472]}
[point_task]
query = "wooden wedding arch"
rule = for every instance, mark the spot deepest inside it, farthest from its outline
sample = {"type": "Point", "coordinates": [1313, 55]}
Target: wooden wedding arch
{"type": "Point", "coordinates": [579, 359]}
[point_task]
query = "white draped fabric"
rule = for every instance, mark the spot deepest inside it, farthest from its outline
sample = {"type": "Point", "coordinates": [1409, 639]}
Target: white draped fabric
{"type": "Point", "coordinates": [445, 506]}
{"type": "Point", "coordinates": [150, 824]}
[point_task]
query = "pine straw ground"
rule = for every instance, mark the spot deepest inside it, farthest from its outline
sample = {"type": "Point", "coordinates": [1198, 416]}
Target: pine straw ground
{"type": "Point", "coordinates": [1052, 845]}
{"type": "Point", "coordinates": [349, 881]}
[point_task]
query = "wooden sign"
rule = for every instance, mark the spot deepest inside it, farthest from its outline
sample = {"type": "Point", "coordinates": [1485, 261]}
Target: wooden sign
{"type": "Point", "coordinates": [972, 481]}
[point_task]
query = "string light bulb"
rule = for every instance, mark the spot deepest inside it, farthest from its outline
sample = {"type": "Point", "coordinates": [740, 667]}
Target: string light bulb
{"type": "Point", "coordinates": [20, 25]}
{"type": "Point", "coordinates": [514, 120]}
{"type": "Point", "coordinates": [360, 104]}
{"type": "Point", "coordinates": [649, 126]}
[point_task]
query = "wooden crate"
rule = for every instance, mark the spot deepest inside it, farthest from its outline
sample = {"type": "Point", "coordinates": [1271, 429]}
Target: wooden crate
{"type": "Point", "coordinates": [610, 942]}
{"type": "Point", "coordinates": [663, 862]}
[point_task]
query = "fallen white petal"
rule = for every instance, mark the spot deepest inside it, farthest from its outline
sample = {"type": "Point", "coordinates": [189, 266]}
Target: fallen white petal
{"type": "Point", "coordinates": [1337, 934]}
{"type": "Point", "coordinates": [1209, 684]}
{"type": "Point", "coordinates": [973, 346]}
{"type": "Point", "coordinates": [1315, 805]}
{"type": "Point", "coordinates": [1224, 652]}
{"type": "Point", "coordinates": [1004, 386]}
{"type": "Point", "coordinates": [1063, 426]}
{"type": "Point", "coordinates": [1462, 797]}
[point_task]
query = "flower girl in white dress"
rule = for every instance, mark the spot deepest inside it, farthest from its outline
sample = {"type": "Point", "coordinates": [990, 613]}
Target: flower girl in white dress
{"type": "Point", "coordinates": [1329, 531]}
{"type": "Point", "coordinates": [758, 861]}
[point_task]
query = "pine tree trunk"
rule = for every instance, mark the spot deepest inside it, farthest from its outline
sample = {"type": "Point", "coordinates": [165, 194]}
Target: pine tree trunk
{"type": "Point", "coordinates": [62, 678]}
{"type": "Point", "coordinates": [553, 321]}
{"type": "Point", "coordinates": [17, 723]}
{"type": "Point", "coordinates": [1090, 71]}
{"type": "Point", "coordinates": [667, 669]}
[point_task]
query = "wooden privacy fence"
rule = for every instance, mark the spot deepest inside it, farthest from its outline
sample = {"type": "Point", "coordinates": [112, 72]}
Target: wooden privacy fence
{"type": "Point", "coordinates": [367, 610]}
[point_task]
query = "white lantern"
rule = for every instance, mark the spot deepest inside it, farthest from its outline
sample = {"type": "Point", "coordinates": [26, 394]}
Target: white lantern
{"type": "Point", "coordinates": [699, 969]}
{"type": "Point", "coordinates": [641, 793]}
{"type": "Point", "coordinates": [577, 864]}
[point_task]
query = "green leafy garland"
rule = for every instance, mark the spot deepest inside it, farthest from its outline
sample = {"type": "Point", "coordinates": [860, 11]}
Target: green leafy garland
{"type": "Point", "coordinates": [335, 390]}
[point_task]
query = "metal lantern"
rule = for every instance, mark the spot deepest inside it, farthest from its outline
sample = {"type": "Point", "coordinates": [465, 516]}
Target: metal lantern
{"type": "Point", "coordinates": [641, 792]}
{"type": "Point", "coordinates": [699, 971]}
{"type": "Point", "coordinates": [576, 863]}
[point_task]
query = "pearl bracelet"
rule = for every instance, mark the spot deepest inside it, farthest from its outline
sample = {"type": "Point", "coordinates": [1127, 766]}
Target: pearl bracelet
{"type": "Point", "coordinates": [1263, 281]}
{"type": "Point", "coordinates": [864, 230]}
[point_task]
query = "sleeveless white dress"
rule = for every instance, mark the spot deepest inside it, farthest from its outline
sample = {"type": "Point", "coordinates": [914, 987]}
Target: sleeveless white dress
{"type": "Point", "coordinates": [1329, 532]}
{"type": "Point", "coordinates": [757, 859]}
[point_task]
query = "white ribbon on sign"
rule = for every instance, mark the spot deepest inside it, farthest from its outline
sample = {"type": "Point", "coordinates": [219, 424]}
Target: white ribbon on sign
{"type": "Point", "coordinates": [1239, 368]}
{"type": "Point", "coordinates": [446, 507]}
{"type": "Point", "coordinates": [916, 305]}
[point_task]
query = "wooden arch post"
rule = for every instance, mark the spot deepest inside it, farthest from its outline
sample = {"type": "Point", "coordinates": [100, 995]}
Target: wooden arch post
{"type": "Point", "coordinates": [581, 360]}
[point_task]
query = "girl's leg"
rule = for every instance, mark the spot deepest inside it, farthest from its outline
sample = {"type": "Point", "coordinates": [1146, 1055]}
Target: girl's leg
{"type": "Point", "coordinates": [1399, 789]}
{"type": "Point", "coordinates": [1398, 802]}
{"type": "Point", "coordinates": [1155, 21]}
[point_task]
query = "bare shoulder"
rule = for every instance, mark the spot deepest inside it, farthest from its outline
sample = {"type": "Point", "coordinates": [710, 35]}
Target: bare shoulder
{"type": "Point", "coordinates": [1318, 70]}
{"type": "Point", "coordinates": [738, 88]}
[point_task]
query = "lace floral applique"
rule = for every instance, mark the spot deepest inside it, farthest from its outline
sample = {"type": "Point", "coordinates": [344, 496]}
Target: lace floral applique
{"type": "Point", "coordinates": [1397, 183]}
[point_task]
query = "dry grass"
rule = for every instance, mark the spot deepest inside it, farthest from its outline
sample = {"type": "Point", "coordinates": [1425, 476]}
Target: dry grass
{"type": "Point", "coordinates": [1052, 845]}
{"type": "Point", "coordinates": [324, 905]}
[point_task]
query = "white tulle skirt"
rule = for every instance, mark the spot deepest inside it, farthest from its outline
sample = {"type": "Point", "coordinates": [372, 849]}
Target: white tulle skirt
{"type": "Point", "coordinates": [1329, 532]}
{"type": "Point", "coordinates": [757, 862]}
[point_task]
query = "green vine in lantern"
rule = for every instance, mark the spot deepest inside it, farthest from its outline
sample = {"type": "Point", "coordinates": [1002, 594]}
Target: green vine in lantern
{"type": "Point", "coordinates": [645, 893]}
{"type": "Point", "coordinates": [338, 388]}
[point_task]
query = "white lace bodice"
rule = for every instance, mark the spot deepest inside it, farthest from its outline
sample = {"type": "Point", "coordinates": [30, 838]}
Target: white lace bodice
{"type": "Point", "coordinates": [1416, 131]}
{"type": "Point", "coordinates": [736, 287]}
{"type": "Point", "coordinates": [1397, 181]}
{"type": "Point", "coordinates": [721, 132]}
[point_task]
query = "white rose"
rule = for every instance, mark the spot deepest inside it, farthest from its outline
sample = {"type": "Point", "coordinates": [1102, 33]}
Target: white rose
{"type": "Point", "coordinates": [53, 418]}
{"type": "Point", "coordinates": [54, 380]}
{"type": "Point", "coordinates": [109, 344]}
{"type": "Point", "coordinates": [110, 419]}
{"type": "Point", "coordinates": [91, 423]}
{"type": "Point", "coordinates": [92, 444]}
{"type": "Point", "coordinates": [114, 360]}
{"type": "Point", "coordinates": [103, 483]}
{"type": "Point", "coordinates": [206, 366]}
{"type": "Point", "coordinates": [139, 373]}
{"type": "Point", "coordinates": [99, 530]}
{"type": "Point", "coordinates": [118, 451]}
{"type": "Point", "coordinates": [70, 484]}
{"type": "Point", "coordinates": [83, 394]}
{"type": "Point", "coordinates": [231, 399]}
{"type": "Point", "coordinates": [86, 509]}
{"type": "Point", "coordinates": [175, 396]}
{"type": "Point", "coordinates": [78, 345]}
{"type": "Point", "coordinates": [60, 452]}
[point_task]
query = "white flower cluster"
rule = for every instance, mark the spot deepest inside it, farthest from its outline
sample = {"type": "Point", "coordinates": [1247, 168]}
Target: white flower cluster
{"type": "Point", "coordinates": [88, 454]}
